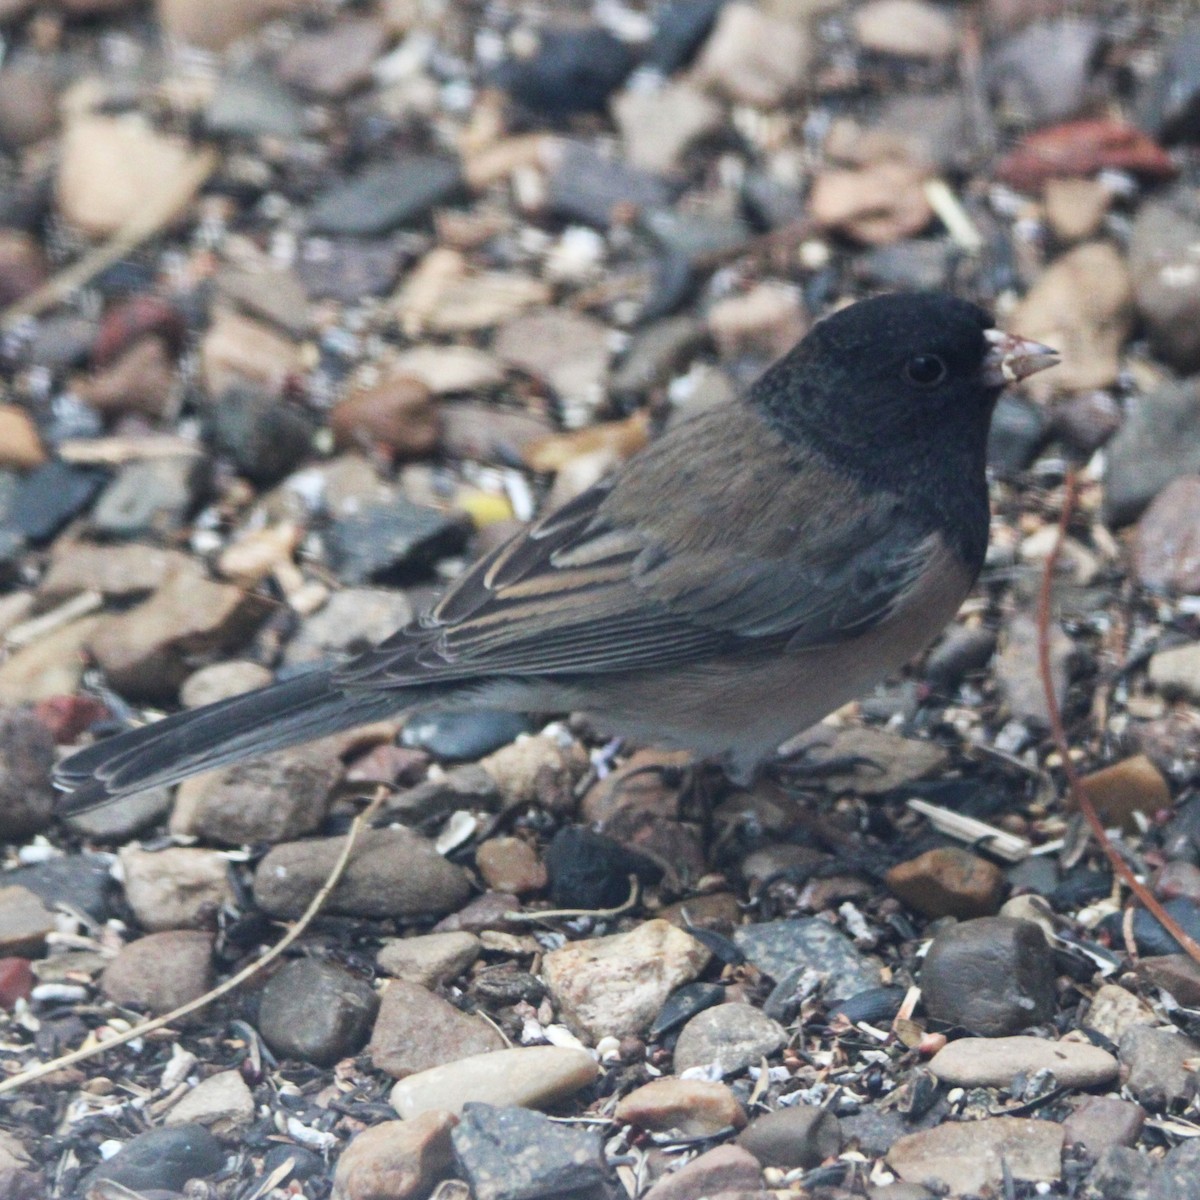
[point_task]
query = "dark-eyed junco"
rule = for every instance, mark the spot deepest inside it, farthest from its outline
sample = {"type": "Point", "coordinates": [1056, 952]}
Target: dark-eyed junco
{"type": "Point", "coordinates": [759, 565]}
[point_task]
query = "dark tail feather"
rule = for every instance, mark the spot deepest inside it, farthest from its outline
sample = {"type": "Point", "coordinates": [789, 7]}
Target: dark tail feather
{"type": "Point", "coordinates": [272, 718]}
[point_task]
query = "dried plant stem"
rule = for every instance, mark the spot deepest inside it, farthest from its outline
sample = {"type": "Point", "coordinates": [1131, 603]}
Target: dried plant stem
{"type": "Point", "coordinates": [1075, 788]}
{"type": "Point", "coordinates": [146, 1027]}
{"type": "Point", "coordinates": [141, 228]}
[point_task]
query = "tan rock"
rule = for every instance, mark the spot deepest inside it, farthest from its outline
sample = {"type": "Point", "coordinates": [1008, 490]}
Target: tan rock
{"type": "Point", "coordinates": [161, 971]}
{"type": "Point", "coordinates": [24, 922]}
{"type": "Point", "coordinates": [216, 24]}
{"type": "Point", "coordinates": [1113, 1010]}
{"type": "Point", "coordinates": [141, 380]}
{"type": "Point", "coordinates": [148, 650]}
{"type": "Point", "coordinates": [509, 864]}
{"type": "Point", "coordinates": [1133, 785]}
{"type": "Point", "coordinates": [752, 58]}
{"type": "Point", "coordinates": [119, 571]}
{"type": "Point", "coordinates": [1076, 208]}
{"type": "Point", "coordinates": [222, 1103]}
{"type": "Point", "coordinates": [948, 882]}
{"type": "Point", "coordinates": [20, 444]}
{"type": "Point", "coordinates": [658, 126]}
{"type": "Point", "coordinates": [905, 28]}
{"type": "Point", "coordinates": [417, 1030]}
{"type": "Point", "coordinates": [1082, 305]}
{"type": "Point", "coordinates": [615, 986]}
{"type": "Point", "coordinates": [238, 349]}
{"type": "Point", "coordinates": [252, 556]}
{"type": "Point", "coordinates": [111, 169]}
{"type": "Point", "coordinates": [526, 1076]}
{"type": "Point", "coordinates": [619, 440]}
{"type": "Point", "coordinates": [51, 666]}
{"type": "Point", "coordinates": [398, 413]}
{"type": "Point", "coordinates": [220, 681]}
{"type": "Point", "coordinates": [449, 369]}
{"type": "Point", "coordinates": [769, 320]}
{"type": "Point", "coordinates": [181, 887]}
{"type": "Point", "coordinates": [531, 768]}
{"type": "Point", "coordinates": [969, 1156]}
{"type": "Point", "coordinates": [993, 1062]}
{"type": "Point", "coordinates": [430, 959]}
{"type": "Point", "coordinates": [396, 1160]}
{"type": "Point", "coordinates": [874, 205]}
{"type": "Point", "coordinates": [696, 1107]}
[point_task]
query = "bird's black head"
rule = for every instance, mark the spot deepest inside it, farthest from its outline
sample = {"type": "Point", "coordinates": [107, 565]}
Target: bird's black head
{"type": "Point", "coordinates": [899, 390]}
{"type": "Point", "coordinates": [892, 368]}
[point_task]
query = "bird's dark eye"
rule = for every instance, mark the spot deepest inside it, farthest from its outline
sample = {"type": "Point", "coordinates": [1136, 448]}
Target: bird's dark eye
{"type": "Point", "coordinates": [924, 371]}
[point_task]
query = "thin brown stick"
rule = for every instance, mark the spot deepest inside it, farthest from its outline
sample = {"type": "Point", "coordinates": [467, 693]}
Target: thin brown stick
{"type": "Point", "coordinates": [1075, 788]}
{"type": "Point", "coordinates": [75, 1056]}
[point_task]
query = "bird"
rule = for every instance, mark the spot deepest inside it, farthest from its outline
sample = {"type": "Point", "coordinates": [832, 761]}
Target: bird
{"type": "Point", "coordinates": [754, 568]}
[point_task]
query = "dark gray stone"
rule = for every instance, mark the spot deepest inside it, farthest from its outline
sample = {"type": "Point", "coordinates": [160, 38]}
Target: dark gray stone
{"type": "Point", "coordinates": [1178, 1174]}
{"type": "Point", "coordinates": [734, 1036]}
{"type": "Point", "coordinates": [152, 496]}
{"type": "Point", "coordinates": [586, 186]}
{"type": "Point", "coordinates": [1154, 1069]}
{"type": "Point", "coordinates": [464, 736]}
{"type": "Point", "coordinates": [920, 263]}
{"type": "Point", "coordinates": [1018, 430]}
{"type": "Point", "coordinates": [50, 496]}
{"type": "Point", "coordinates": [778, 948]}
{"type": "Point", "coordinates": [1121, 1173]}
{"type": "Point", "coordinates": [382, 540]}
{"type": "Point", "coordinates": [80, 881]}
{"type": "Point", "coordinates": [589, 870]}
{"type": "Point", "coordinates": [993, 976]}
{"type": "Point", "coordinates": [1169, 104]}
{"type": "Point", "coordinates": [251, 102]}
{"type": "Point", "coordinates": [347, 270]}
{"type": "Point", "coordinates": [963, 649]}
{"type": "Point", "coordinates": [265, 437]}
{"type": "Point", "coordinates": [680, 30]}
{"type": "Point", "coordinates": [516, 1154]}
{"type": "Point", "coordinates": [27, 757]}
{"type": "Point", "coordinates": [655, 353]}
{"type": "Point", "coordinates": [316, 1012]}
{"type": "Point", "coordinates": [574, 69]}
{"type": "Point", "coordinates": [800, 1135]}
{"type": "Point", "coordinates": [161, 1158]}
{"type": "Point", "coordinates": [386, 196]}
{"type": "Point", "coordinates": [1162, 265]}
{"type": "Point", "coordinates": [1041, 74]}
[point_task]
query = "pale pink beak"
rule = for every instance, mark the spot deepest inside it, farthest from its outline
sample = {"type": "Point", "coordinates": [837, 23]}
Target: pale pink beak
{"type": "Point", "coordinates": [1013, 358]}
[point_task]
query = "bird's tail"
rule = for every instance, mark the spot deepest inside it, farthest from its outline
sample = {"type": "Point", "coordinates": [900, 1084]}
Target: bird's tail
{"type": "Point", "coordinates": [283, 714]}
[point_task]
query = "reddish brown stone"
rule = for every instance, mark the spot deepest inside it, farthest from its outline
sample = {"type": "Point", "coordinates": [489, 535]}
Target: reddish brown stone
{"type": "Point", "coordinates": [1083, 148]}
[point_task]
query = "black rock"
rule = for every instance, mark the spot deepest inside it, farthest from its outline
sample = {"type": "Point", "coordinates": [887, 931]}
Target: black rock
{"type": "Point", "coordinates": [464, 736]}
{"type": "Point", "coordinates": [387, 540]}
{"type": "Point", "coordinates": [876, 1006]}
{"type": "Point", "coordinates": [151, 497]}
{"type": "Point", "coordinates": [683, 27]}
{"type": "Point", "coordinates": [589, 870]}
{"type": "Point", "coordinates": [1018, 430]}
{"type": "Point", "coordinates": [993, 976]}
{"type": "Point", "coordinates": [962, 650]}
{"type": "Point", "coordinates": [305, 1163]}
{"type": "Point", "coordinates": [1079, 888]}
{"type": "Point", "coordinates": [516, 1154]}
{"type": "Point", "coordinates": [346, 269]}
{"type": "Point", "coordinates": [316, 1012]}
{"type": "Point", "coordinates": [588, 187]}
{"type": "Point", "coordinates": [265, 437]}
{"type": "Point", "coordinates": [81, 881]}
{"type": "Point", "coordinates": [386, 196]}
{"type": "Point", "coordinates": [1159, 441]}
{"type": "Point", "coordinates": [50, 496]}
{"type": "Point", "coordinates": [1149, 935]}
{"type": "Point", "coordinates": [572, 70]}
{"type": "Point", "coordinates": [161, 1158]}
{"type": "Point", "coordinates": [1169, 104]}
{"type": "Point", "coordinates": [683, 1004]}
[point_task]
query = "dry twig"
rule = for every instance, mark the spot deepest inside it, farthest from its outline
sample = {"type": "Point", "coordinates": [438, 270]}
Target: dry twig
{"type": "Point", "coordinates": [146, 1027]}
{"type": "Point", "coordinates": [1075, 789]}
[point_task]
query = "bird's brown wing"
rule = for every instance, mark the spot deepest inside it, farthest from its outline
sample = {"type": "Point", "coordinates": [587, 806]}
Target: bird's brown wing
{"type": "Point", "coordinates": [643, 573]}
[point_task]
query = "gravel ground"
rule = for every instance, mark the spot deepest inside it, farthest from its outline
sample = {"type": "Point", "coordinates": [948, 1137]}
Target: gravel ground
{"type": "Point", "coordinates": [305, 305]}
